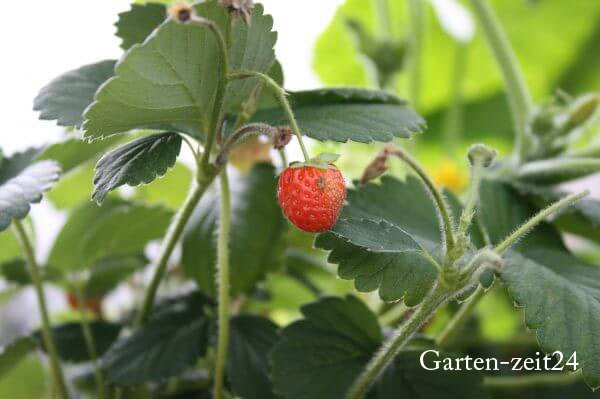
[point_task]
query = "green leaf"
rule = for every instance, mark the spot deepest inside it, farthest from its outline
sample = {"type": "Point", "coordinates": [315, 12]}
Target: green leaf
{"type": "Point", "coordinates": [406, 378]}
{"type": "Point", "coordinates": [375, 236]}
{"type": "Point", "coordinates": [73, 152]}
{"type": "Point", "coordinates": [559, 292]}
{"type": "Point", "coordinates": [10, 247]}
{"type": "Point", "coordinates": [16, 272]}
{"type": "Point", "coordinates": [170, 192]}
{"type": "Point", "coordinates": [18, 192]}
{"type": "Point", "coordinates": [169, 81]}
{"type": "Point", "coordinates": [561, 297]}
{"type": "Point", "coordinates": [558, 170]}
{"type": "Point", "coordinates": [321, 355]}
{"type": "Point", "coordinates": [137, 162]}
{"type": "Point", "coordinates": [66, 97]}
{"type": "Point", "coordinates": [136, 24]}
{"type": "Point", "coordinates": [581, 218]}
{"type": "Point", "coordinates": [251, 338]}
{"type": "Point", "coordinates": [502, 210]}
{"type": "Point", "coordinates": [70, 341]}
{"type": "Point", "coordinates": [123, 231]}
{"type": "Point", "coordinates": [73, 189]}
{"type": "Point", "coordinates": [107, 273]}
{"type": "Point", "coordinates": [93, 233]}
{"type": "Point", "coordinates": [13, 353]}
{"type": "Point", "coordinates": [169, 343]}
{"type": "Point", "coordinates": [257, 229]}
{"type": "Point", "coordinates": [348, 114]}
{"type": "Point", "coordinates": [405, 208]}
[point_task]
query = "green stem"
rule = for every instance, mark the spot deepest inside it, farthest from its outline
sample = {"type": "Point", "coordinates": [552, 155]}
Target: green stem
{"type": "Point", "coordinates": [460, 317]}
{"type": "Point", "coordinates": [283, 157]}
{"type": "Point", "coordinates": [436, 298]}
{"type": "Point", "coordinates": [216, 119]}
{"type": "Point", "coordinates": [454, 117]}
{"type": "Point", "coordinates": [518, 94]}
{"type": "Point", "coordinates": [383, 18]}
{"type": "Point", "coordinates": [443, 208]}
{"type": "Point", "coordinates": [469, 210]}
{"type": "Point", "coordinates": [531, 380]}
{"type": "Point", "coordinates": [538, 218]}
{"type": "Point", "coordinates": [89, 341]}
{"type": "Point", "coordinates": [168, 245]}
{"type": "Point", "coordinates": [280, 94]}
{"type": "Point", "coordinates": [223, 283]}
{"type": "Point", "coordinates": [416, 12]}
{"type": "Point", "coordinates": [27, 248]}
{"type": "Point", "coordinates": [395, 314]}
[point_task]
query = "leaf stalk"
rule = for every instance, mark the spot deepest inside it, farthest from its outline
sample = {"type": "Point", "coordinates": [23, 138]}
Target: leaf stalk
{"type": "Point", "coordinates": [223, 286]}
{"type": "Point", "coordinates": [27, 248]}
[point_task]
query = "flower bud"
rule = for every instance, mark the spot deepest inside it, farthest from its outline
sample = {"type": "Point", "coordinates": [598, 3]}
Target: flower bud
{"type": "Point", "coordinates": [481, 155]}
{"type": "Point", "coordinates": [582, 109]}
{"type": "Point", "coordinates": [181, 12]}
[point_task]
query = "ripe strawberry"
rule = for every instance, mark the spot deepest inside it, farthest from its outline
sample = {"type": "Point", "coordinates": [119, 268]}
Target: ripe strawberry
{"type": "Point", "coordinates": [311, 197]}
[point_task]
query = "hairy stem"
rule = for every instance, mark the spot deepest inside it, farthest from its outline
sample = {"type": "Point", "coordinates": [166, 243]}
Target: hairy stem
{"type": "Point", "coordinates": [89, 341]}
{"type": "Point", "coordinates": [443, 208]}
{"type": "Point", "coordinates": [223, 285]}
{"type": "Point", "coordinates": [518, 94]}
{"type": "Point", "coordinates": [537, 219]}
{"type": "Point", "coordinates": [437, 297]}
{"type": "Point", "coordinates": [383, 18]}
{"type": "Point", "coordinates": [27, 248]}
{"type": "Point", "coordinates": [460, 317]}
{"type": "Point", "coordinates": [216, 120]}
{"type": "Point", "coordinates": [469, 210]}
{"type": "Point", "coordinates": [281, 96]}
{"type": "Point", "coordinates": [531, 380]}
{"type": "Point", "coordinates": [168, 245]}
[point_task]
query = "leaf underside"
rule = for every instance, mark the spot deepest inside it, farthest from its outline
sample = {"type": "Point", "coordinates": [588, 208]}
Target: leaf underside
{"type": "Point", "coordinates": [17, 193]}
{"type": "Point", "coordinates": [169, 81]}
{"type": "Point", "coordinates": [140, 161]}
{"type": "Point", "coordinates": [66, 97]}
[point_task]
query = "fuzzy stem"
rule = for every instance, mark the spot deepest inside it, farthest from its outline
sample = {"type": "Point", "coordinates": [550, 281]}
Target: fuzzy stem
{"type": "Point", "coordinates": [443, 208]}
{"type": "Point", "coordinates": [27, 248]}
{"type": "Point", "coordinates": [436, 297]}
{"type": "Point", "coordinates": [531, 380]}
{"type": "Point", "coordinates": [280, 94]}
{"type": "Point", "coordinates": [472, 195]}
{"type": "Point", "coordinates": [518, 94]}
{"type": "Point", "coordinates": [216, 119]}
{"type": "Point", "coordinates": [460, 317]}
{"type": "Point", "coordinates": [538, 218]}
{"type": "Point", "coordinates": [223, 285]}
{"type": "Point", "coordinates": [168, 245]}
{"type": "Point", "coordinates": [383, 18]}
{"type": "Point", "coordinates": [89, 341]}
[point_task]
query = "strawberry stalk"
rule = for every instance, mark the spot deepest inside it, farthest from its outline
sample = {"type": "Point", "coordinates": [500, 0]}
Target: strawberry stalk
{"type": "Point", "coordinates": [281, 96]}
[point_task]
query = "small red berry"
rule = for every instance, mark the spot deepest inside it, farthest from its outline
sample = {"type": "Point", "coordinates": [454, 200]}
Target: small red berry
{"type": "Point", "coordinates": [311, 197]}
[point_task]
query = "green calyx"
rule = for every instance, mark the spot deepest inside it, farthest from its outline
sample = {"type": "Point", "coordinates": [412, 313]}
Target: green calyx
{"type": "Point", "coordinates": [324, 160]}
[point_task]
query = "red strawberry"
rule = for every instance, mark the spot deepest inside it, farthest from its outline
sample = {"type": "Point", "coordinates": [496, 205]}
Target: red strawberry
{"type": "Point", "coordinates": [311, 197]}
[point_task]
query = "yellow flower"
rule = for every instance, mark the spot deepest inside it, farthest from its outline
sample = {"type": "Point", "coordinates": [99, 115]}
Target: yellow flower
{"type": "Point", "coordinates": [449, 175]}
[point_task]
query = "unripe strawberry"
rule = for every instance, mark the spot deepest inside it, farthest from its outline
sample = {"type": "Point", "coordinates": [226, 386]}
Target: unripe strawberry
{"type": "Point", "coordinates": [311, 197]}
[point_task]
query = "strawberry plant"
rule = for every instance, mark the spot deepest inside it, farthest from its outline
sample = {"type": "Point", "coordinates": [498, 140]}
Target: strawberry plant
{"type": "Point", "coordinates": [241, 298]}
